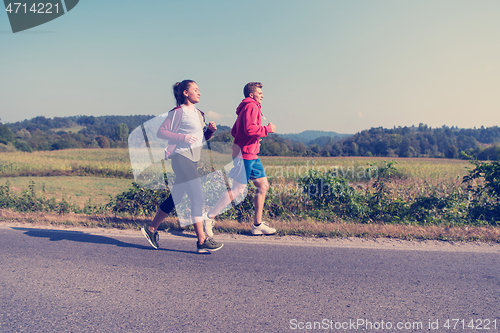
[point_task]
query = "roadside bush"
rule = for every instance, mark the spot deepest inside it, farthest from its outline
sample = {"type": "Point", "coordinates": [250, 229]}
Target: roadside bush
{"type": "Point", "coordinates": [329, 193]}
{"type": "Point", "coordinates": [483, 182]}
{"type": "Point", "coordinates": [137, 201]}
{"type": "Point", "coordinates": [489, 172]}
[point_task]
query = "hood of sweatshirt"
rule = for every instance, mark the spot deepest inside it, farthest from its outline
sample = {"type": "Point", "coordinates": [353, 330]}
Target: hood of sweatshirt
{"type": "Point", "coordinates": [245, 102]}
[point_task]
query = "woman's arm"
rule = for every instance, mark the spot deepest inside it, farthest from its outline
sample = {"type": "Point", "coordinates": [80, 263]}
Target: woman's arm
{"type": "Point", "coordinates": [167, 131]}
{"type": "Point", "coordinates": [211, 128]}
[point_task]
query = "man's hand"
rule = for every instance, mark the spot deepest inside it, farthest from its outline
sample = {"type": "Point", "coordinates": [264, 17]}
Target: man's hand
{"type": "Point", "coordinates": [190, 139]}
{"type": "Point", "coordinates": [273, 127]}
{"type": "Point", "coordinates": [212, 126]}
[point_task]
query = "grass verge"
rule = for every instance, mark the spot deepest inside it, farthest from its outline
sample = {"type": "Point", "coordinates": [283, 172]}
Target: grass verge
{"type": "Point", "coordinates": [307, 228]}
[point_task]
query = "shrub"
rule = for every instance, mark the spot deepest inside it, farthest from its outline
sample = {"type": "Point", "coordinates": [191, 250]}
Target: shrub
{"type": "Point", "coordinates": [137, 201]}
{"type": "Point", "coordinates": [484, 183]}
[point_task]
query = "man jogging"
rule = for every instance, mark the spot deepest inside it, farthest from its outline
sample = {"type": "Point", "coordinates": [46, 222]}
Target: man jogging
{"type": "Point", "coordinates": [247, 131]}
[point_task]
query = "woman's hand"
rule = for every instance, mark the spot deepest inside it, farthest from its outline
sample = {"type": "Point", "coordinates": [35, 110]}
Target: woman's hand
{"type": "Point", "coordinates": [190, 139]}
{"type": "Point", "coordinates": [212, 126]}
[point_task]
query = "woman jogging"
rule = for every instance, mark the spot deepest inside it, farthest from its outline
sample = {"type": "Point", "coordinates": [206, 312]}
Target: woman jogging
{"type": "Point", "coordinates": [184, 130]}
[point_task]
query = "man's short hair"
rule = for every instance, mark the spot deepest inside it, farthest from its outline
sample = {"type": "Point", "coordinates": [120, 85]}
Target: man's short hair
{"type": "Point", "coordinates": [251, 87]}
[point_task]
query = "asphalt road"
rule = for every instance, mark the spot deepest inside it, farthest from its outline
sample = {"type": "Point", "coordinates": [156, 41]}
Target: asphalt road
{"type": "Point", "coordinates": [75, 281]}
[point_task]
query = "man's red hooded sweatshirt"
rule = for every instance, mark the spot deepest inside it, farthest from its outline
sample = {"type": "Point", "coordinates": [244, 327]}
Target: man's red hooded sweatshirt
{"type": "Point", "coordinates": [248, 129]}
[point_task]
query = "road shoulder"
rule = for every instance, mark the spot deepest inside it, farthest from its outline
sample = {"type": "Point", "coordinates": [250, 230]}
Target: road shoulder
{"type": "Point", "coordinates": [340, 242]}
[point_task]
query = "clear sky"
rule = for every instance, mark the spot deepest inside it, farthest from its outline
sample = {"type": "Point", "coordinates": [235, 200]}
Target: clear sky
{"type": "Point", "coordinates": [329, 65]}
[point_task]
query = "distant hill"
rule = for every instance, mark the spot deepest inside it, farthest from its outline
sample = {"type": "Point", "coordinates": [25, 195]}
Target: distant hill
{"type": "Point", "coordinates": [307, 137]}
{"type": "Point", "coordinates": [42, 133]}
{"type": "Point", "coordinates": [223, 128]}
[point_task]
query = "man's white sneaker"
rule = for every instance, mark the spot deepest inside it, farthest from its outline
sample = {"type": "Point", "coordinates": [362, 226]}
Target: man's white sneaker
{"type": "Point", "coordinates": [208, 225]}
{"type": "Point", "coordinates": [262, 229]}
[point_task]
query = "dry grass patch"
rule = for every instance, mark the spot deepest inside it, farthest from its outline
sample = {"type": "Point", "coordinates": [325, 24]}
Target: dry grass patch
{"type": "Point", "coordinates": [309, 228]}
{"type": "Point", "coordinates": [77, 220]}
{"type": "Point", "coordinates": [376, 230]}
{"type": "Point", "coordinates": [82, 220]}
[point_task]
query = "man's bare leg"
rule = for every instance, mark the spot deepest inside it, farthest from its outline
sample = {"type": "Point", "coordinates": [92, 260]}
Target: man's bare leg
{"type": "Point", "coordinates": [260, 197]}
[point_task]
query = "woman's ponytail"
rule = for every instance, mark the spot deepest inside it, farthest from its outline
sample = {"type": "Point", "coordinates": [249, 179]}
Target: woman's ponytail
{"type": "Point", "coordinates": [179, 88]}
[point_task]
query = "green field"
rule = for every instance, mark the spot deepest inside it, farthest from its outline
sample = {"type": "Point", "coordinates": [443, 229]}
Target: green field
{"type": "Point", "coordinates": [117, 160]}
{"type": "Point", "coordinates": [423, 169]}
{"type": "Point", "coordinates": [75, 189]}
{"type": "Point", "coordinates": [98, 162]}
{"type": "Point", "coordinates": [80, 174]}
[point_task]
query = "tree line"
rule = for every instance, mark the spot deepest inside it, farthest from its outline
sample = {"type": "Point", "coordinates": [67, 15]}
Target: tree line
{"type": "Point", "coordinates": [415, 141]}
{"type": "Point", "coordinates": [41, 133]}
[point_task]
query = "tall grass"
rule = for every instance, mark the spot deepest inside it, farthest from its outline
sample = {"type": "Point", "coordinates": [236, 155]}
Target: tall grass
{"type": "Point", "coordinates": [81, 162]}
{"type": "Point", "coordinates": [355, 189]}
{"type": "Point", "coordinates": [76, 189]}
{"type": "Point", "coordinates": [387, 195]}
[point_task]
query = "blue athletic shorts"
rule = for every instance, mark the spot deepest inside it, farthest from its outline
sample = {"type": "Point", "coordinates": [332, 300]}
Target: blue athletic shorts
{"type": "Point", "coordinates": [245, 170]}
